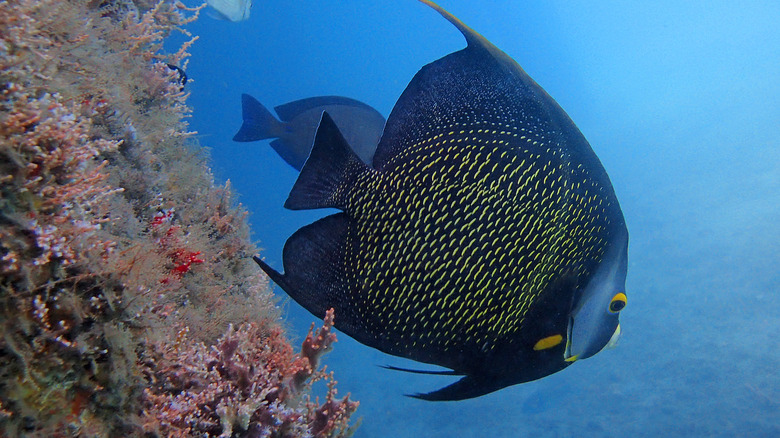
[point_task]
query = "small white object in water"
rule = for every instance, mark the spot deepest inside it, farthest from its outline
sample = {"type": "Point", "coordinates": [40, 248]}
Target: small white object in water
{"type": "Point", "coordinates": [231, 10]}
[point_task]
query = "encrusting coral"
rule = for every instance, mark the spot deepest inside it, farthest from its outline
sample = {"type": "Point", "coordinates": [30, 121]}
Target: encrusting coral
{"type": "Point", "coordinates": [114, 240]}
{"type": "Point", "coordinates": [241, 384]}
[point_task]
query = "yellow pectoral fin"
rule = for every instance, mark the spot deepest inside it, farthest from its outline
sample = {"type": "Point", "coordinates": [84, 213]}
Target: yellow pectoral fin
{"type": "Point", "coordinates": [548, 342]}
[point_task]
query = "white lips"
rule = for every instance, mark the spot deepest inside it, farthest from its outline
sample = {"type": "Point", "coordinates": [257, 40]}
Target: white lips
{"type": "Point", "coordinates": [613, 341]}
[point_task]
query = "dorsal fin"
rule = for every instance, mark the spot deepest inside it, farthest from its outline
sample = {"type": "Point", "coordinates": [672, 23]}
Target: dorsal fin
{"type": "Point", "coordinates": [447, 90]}
{"type": "Point", "coordinates": [473, 38]}
{"type": "Point", "coordinates": [479, 80]}
{"type": "Point", "coordinates": [290, 110]}
{"type": "Point", "coordinates": [332, 166]}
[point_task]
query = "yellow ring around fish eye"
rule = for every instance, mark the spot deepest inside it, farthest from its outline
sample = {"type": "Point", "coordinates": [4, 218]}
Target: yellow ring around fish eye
{"type": "Point", "coordinates": [618, 302]}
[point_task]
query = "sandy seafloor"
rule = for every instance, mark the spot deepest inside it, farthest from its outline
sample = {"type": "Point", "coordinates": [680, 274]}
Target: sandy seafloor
{"type": "Point", "coordinates": [681, 102]}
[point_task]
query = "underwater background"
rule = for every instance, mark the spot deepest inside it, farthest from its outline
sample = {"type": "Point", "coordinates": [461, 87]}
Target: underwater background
{"type": "Point", "coordinates": [681, 103]}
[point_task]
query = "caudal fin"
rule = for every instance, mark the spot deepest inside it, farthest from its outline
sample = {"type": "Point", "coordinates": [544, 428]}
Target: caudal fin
{"type": "Point", "coordinates": [259, 123]}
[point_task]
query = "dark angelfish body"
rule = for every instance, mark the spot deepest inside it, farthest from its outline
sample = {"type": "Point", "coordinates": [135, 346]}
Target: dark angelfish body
{"type": "Point", "coordinates": [360, 124]}
{"type": "Point", "coordinates": [486, 237]}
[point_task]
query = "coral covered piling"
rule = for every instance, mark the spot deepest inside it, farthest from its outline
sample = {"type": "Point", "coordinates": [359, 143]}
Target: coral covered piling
{"type": "Point", "coordinates": [115, 240]}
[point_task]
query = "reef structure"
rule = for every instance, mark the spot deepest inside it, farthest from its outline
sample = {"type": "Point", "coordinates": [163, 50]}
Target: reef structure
{"type": "Point", "coordinates": [115, 241]}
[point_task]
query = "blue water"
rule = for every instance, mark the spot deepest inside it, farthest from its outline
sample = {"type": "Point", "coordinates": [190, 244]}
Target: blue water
{"type": "Point", "coordinates": [681, 102]}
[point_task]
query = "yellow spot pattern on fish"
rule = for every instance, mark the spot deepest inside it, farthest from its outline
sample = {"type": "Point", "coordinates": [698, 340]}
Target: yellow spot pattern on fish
{"type": "Point", "coordinates": [460, 238]}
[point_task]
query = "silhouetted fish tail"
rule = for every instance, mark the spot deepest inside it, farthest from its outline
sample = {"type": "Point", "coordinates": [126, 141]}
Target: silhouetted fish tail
{"type": "Point", "coordinates": [329, 173]}
{"type": "Point", "coordinates": [259, 123]}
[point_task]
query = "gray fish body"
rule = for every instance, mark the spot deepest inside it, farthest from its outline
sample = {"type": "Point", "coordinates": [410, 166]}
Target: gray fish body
{"type": "Point", "coordinates": [473, 240]}
{"type": "Point", "coordinates": [294, 133]}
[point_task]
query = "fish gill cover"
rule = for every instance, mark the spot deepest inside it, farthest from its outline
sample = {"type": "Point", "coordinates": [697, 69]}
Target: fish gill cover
{"type": "Point", "coordinates": [128, 301]}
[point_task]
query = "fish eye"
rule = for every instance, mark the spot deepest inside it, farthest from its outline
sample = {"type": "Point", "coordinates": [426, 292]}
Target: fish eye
{"type": "Point", "coordinates": [618, 303]}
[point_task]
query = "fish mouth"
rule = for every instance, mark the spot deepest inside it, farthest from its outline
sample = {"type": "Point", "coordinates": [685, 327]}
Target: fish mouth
{"type": "Point", "coordinates": [568, 356]}
{"type": "Point", "coordinates": [613, 341]}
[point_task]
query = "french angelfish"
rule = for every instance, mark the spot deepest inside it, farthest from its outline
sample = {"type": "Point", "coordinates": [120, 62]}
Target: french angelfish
{"type": "Point", "coordinates": [359, 123]}
{"type": "Point", "coordinates": [486, 238]}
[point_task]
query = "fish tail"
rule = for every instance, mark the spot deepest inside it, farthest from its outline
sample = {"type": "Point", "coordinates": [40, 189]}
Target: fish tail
{"type": "Point", "coordinates": [313, 269]}
{"type": "Point", "coordinates": [329, 173]}
{"type": "Point", "coordinates": [259, 123]}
